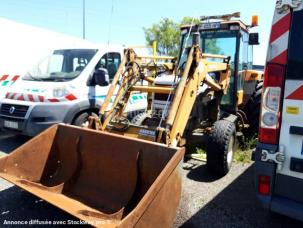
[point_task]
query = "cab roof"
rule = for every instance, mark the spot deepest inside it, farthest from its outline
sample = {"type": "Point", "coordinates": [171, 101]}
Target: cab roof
{"type": "Point", "coordinates": [229, 22]}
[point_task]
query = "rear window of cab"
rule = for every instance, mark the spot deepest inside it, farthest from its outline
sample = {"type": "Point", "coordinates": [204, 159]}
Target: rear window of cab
{"type": "Point", "coordinates": [295, 48]}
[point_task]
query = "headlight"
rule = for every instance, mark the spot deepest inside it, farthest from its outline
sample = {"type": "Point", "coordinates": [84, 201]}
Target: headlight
{"type": "Point", "coordinates": [60, 92]}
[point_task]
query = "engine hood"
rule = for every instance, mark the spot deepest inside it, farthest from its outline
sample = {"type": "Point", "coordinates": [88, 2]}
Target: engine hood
{"type": "Point", "coordinates": [168, 80]}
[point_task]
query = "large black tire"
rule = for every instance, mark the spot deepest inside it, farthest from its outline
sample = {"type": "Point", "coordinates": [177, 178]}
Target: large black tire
{"type": "Point", "coordinates": [252, 111]}
{"type": "Point", "coordinates": [140, 119]}
{"type": "Point", "coordinates": [220, 147]}
{"type": "Point", "coordinates": [82, 119]}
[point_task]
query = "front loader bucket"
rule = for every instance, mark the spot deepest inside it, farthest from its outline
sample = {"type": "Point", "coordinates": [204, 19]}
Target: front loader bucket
{"type": "Point", "coordinates": [103, 179]}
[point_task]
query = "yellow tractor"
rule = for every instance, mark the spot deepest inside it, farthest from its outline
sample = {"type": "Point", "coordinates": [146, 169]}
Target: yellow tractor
{"type": "Point", "coordinates": [121, 173]}
{"type": "Point", "coordinates": [208, 99]}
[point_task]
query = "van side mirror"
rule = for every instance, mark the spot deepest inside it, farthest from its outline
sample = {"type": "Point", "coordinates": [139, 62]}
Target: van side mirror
{"type": "Point", "coordinates": [100, 77]}
{"type": "Point", "coordinates": [253, 39]}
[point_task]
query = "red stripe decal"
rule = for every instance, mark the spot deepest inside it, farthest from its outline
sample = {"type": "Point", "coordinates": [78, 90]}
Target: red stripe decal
{"type": "Point", "coordinates": [297, 94]}
{"type": "Point", "coordinates": [13, 97]}
{"type": "Point", "coordinates": [281, 59]}
{"type": "Point", "coordinates": [4, 77]}
{"type": "Point", "coordinates": [41, 98]}
{"type": "Point", "coordinates": [30, 97]}
{"type": "Point", "coordinates": [15, 78]}
{"type": "Point", "coordinates": [70, 97]}
{"type": "Point", "coordinates": [53, 100]}
{"type": "Point", "coordinates": [21, 98]}
{"type": "Point", "coordinates": [281, 27]}
{"type": "Point", "coordinates": [7, 95]}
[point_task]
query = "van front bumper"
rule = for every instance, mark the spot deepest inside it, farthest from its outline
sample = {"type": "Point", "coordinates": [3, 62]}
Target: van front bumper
{"type": "Point", "coordinates": [37, 119]}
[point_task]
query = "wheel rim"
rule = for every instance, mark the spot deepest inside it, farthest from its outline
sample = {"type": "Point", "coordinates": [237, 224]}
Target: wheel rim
{"type": "Point", "coordinates": [230, 151]}
{"type": "Point", "coordinates": [85, 123]}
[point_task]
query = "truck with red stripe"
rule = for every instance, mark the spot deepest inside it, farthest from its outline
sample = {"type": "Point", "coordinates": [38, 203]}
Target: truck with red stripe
{"type": "Point", "coordinates": [279, 153]}
{"type": "Point", "coordinates": [63, 87]}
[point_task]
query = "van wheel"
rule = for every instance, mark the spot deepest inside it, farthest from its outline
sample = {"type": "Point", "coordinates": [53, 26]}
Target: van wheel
{"type": "Point", "coordinates": [252, 111]}
{"type": "Point", "coordinates": [221, 147]}
{"type": "Point", "coordinates": [82, 119]}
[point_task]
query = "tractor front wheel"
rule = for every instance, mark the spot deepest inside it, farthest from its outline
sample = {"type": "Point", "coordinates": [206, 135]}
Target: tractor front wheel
{"type": "Point", "coordinates": [221, 147]}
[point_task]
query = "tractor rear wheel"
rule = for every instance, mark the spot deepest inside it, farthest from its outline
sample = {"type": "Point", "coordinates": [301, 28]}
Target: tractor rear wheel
{"type": "Point", "coordinates": [252, 111]}
{"type": "Point", "coordinates": [221, 147]}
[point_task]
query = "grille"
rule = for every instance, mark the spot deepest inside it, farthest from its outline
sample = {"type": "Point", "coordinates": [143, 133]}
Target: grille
{"type": "Point", "coordinates": [19, 110]}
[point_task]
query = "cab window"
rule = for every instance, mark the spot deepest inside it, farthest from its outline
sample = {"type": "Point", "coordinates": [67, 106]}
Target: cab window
{"type": "Point", "coordinates": [111, 62]}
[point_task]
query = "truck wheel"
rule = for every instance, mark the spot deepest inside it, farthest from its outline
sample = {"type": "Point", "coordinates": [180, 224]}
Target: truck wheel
{"type": "Point", "coordinates": [220, 147]}
{"type": "Point", "coordinates": [140, 119]}
{"type": "Point", "coordinates": [252, 111]}
{"type": "Point", "coordinates": [82, 119]}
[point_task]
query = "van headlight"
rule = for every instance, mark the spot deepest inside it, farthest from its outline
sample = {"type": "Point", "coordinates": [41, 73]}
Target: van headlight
{"type": "Point", "coordinates": [60, 92]}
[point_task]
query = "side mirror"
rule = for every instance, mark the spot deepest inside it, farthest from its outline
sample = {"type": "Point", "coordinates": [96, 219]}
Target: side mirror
{"type": "Point", "coordinates": [253, 39]}
{"type": "Point", "coordinates": [100, 77]}
{"type": "Point", "coordinates": [196, 39]}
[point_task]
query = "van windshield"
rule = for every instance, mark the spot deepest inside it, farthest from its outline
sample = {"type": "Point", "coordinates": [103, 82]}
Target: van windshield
{"type": "Point", "coordinates": [61, 65]}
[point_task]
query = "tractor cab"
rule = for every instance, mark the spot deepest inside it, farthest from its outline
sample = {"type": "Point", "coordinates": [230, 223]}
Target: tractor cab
{"type": "Point", "coordinates": [220, 35]}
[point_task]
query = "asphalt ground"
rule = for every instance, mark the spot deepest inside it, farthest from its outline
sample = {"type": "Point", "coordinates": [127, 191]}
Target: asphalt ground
{"type": "Point", "coordinates": [207, 201]}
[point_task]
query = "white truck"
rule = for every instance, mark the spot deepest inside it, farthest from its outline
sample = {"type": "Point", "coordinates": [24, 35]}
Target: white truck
{"type": "Point", "coordinates": [279, 153]}
{"type": "Point", "coordinates": [67, 86]}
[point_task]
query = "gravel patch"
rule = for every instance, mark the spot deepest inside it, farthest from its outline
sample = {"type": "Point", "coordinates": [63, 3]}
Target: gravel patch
{"type": "Point", "coordinates": [225, 202]}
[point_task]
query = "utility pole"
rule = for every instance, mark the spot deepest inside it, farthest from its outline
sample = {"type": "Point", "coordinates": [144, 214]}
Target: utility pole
{"type": "Point", "coordinates": [83, 20]}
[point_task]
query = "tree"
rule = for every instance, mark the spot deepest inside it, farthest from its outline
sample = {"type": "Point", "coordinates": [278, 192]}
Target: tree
{"type": "Point", "coordinates": [166, 33]}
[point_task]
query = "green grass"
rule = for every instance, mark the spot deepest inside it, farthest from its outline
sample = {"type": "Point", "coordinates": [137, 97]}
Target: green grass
{"type": "Point", "coordinates": [242, 156]}
{"type": "Point", "coordinates": [200, 151]}
{"type": "Point", "coordinates": [243, 153]}
{"type": "Point", "coordinates": [249, 143]}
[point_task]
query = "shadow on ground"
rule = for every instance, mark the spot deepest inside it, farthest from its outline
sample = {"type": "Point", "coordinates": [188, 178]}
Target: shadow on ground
{"type": "Point", "coordinates": [10, 142]}
{"type": "Point", "coordinates": [235, 206]}
{"type": "Point", "coordinates": [200, 173]}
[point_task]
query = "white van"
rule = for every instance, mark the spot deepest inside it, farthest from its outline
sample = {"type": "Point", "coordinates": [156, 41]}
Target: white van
{"type": "Point", "coordinates": [279, 153]}
{"type": "Point", "coordinates": [63, 88]}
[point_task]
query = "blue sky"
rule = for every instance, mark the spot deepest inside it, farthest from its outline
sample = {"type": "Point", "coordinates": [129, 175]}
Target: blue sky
{"type": "Point", "coordinates": [128, 17]}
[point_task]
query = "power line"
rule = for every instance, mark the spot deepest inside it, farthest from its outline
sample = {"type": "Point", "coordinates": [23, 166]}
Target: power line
{"type": "Point", "coordinates": [110, 22]}
{"type": "Point", "coordinates": [83, 19]}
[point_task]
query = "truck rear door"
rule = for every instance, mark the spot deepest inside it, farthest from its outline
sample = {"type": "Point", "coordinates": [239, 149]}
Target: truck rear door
{"type": "Point", "coordinates": [291, 134]}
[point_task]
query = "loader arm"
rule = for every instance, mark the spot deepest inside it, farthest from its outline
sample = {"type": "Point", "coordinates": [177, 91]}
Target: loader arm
{"type": "Point", "coordinates": [183, 104]}
{"type": "Point", "coordinates": [132, 69]}
{"type": "Point", "coordinates": [183, 94]}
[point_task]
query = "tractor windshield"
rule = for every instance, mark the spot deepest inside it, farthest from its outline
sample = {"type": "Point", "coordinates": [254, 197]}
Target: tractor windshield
{"type": "Point", "coordinates": [212, 42]}
{"type": "Point", "coordinates": [219, 42]}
